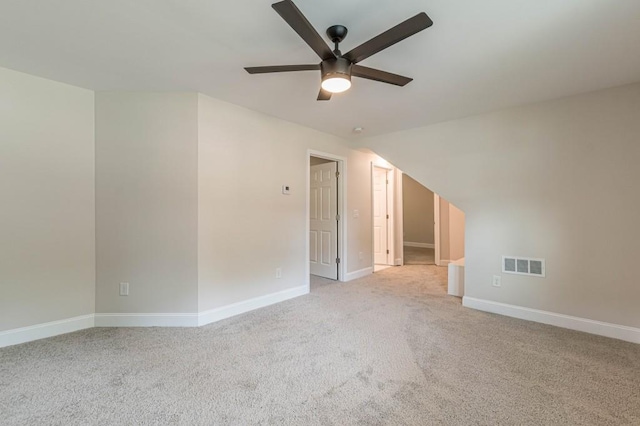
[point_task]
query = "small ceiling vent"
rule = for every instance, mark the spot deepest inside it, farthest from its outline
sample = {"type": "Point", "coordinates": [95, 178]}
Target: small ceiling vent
{"type": "Point", "coordinates": [523, 266]}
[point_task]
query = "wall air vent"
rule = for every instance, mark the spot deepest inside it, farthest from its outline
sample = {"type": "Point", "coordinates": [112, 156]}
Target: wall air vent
{"type": "Point", "coordinates": [523, 266]}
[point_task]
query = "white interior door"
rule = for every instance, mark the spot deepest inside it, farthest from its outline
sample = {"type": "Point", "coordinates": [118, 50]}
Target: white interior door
{"type": "Point", "coordinates": [380, 217]}
{"type": "Point", "coordinates": [323, 212]}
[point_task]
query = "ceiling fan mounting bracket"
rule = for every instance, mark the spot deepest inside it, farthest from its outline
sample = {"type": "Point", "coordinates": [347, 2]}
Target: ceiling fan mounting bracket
{"type": "Point", "coordinates": [337, 33]}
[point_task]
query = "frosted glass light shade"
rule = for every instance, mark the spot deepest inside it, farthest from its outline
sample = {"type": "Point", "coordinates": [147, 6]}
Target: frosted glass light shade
{"type": "Point", "coordinates": [336, 84]}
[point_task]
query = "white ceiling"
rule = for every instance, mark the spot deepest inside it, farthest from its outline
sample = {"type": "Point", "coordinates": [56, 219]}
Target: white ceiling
{"type": "Point", "coordinates": [478, 56]}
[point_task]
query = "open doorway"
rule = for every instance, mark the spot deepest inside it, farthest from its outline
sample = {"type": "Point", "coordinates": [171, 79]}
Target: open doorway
{"type": "Point", "coordinates": [325, 201]}
{"type": "Point", "coordinates": [418, 223]}
{"type": "Point", "coordinates": [433, 228]}
{"type": "Point", "coordinates": [449, 232]}
{"type": "Point", "coordinates": [386, 215]}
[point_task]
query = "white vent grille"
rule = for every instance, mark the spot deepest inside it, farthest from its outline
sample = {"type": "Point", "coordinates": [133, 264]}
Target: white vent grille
{"type": "Point", "coordinates": [523, 266]}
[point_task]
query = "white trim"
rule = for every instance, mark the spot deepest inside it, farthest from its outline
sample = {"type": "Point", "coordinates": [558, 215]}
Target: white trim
{"type": "Point", "coordinates": [193, 319]}
{"type": "Point", "coordinates": [622, 332]}
{"type": "Point", "coordinates": [146, 320]}
{"type": "Point", "coordinates": [342, 211]}
{"type": "Point", "coordinates": [55, 328]}
{"type": "Point", "coordinates": [398, 231]}
{"type": "Point", "coordinates": [444, 262]}
{"type": "Point", "coordinates": [359, 274]}
{"type": "Point", "coordinates": [391, 210]}
{"type": "Point", "coordinates": [421, 245]}
{"type": "Point", "coordinates": [223, 312]}
{"type": "Point", "coordinates": [44, 330]}
{"type": "Point", "coordinates": [436, 228]}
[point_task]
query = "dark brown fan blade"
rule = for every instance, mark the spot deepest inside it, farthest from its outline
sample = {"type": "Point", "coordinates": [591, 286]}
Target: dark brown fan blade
{"type": "Point", "coordinates": [390, 37]}
{"type": "Point", "coordinates": [377, 75]}
{"type": "Point", "coordinates": [290, 13]}
{"type": "Point", "coordinates": [282, 68]}
{"type": "Point", "coordinates": [324, 95]}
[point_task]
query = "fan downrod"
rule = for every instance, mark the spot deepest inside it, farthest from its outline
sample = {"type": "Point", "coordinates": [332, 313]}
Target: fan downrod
{"type": "Point", "coordinates": [336, 34]}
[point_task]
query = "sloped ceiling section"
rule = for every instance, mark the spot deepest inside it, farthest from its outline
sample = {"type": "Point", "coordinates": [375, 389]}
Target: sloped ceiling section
{"type": "Point", "coordinates": [477, 57]}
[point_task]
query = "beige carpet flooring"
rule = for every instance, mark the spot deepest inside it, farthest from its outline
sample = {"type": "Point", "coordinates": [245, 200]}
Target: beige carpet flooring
{"type": "Point", "coordinates": [388, 349]}
{"type": "Point", "coordinates": [419, 256]}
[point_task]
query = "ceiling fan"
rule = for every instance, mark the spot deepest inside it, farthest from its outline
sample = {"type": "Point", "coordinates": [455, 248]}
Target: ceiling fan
{"type": "Point", "coordinates": [337, 69]}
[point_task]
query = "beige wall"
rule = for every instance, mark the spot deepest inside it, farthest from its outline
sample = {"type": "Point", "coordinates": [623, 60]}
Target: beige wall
{"type": "Point", "coordinates": [190, 210]}
{"type": "Point", "coordinates": [147, 201]}
{"type": "Point", "coordinates": [155, 154]}
{"type": "Point", "coordinates": [451, 232]}
{"type": "Point", "coordinates": [520, 175]}
{"type": "Point", "coordinates": [47, 201]}
{"type": "Point", "coordinates": [555, 180]}
{"type": "Point", "coordinates": [456, 233]}
{"type": "Point", "coordinates": [247, 227]}
{"type": "Point", "coordinates": [418, 211]}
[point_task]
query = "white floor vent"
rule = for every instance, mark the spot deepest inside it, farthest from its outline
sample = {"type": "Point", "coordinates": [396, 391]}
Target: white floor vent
{"type": "Point", "coordinates": [523, 266]}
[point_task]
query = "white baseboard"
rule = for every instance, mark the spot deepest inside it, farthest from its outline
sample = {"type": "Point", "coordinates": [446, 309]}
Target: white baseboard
{"type": "Point", "coordinates": [622, 332]}
{"type": "Point", "coordinates": [443, 262]}
{"type": "Point", "coordinates": [421, 245]}
{"type": "Point", "coordinates": [223, 312]}
{"type": "Point", "coordinates": [48, 329]}
{"type": "Point", "coordinates": [359, 274]}
{"type": "Point", "coordinates": [194, 319]}
{"type": "Point", "coordinates": [147, 320]}
{"type": "Point", "coordinates": [54, 328]}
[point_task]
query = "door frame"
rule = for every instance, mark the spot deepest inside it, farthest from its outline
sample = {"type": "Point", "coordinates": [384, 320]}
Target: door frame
{"type": "Point", "coordinates": [436, 229]}
{"type": "Point", "coordinates": [391, 211]}
{"type": "Point", "coordinates": [342, 209]}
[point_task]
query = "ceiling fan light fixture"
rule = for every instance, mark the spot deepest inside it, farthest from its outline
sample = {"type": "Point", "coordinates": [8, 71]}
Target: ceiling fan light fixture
{"type": "Point", "coordinates": [336, 84]}
{"type": "Point", "coordinates": [336, 75]}
{"type": "Point", "coordinates": [336, 69]}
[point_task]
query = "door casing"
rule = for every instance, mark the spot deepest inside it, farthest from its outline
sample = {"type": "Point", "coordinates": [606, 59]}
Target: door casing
{"type": "Point", "coordinates": [324, 178]}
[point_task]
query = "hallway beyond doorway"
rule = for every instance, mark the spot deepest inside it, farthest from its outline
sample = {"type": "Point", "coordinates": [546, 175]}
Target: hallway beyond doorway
{"type": "Point", "coordinates": [419, 256]}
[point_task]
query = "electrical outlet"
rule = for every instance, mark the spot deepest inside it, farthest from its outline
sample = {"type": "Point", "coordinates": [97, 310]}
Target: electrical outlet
{"type": "Point", "coordinates": [124, 289]}
{"type": "Point", "coordinates": [496, 281]}
{"type": "Point", "coordinates": [278, 272]}
{"type": "Point", "coordinates": [361, 256]}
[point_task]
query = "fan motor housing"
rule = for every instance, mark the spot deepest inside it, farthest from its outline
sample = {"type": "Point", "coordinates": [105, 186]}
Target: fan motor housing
{"type": "Point", "coordinates": [338, 67]}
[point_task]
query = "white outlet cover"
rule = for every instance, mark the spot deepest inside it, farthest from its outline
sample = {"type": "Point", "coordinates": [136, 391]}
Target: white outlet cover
{"type": "Point", "coordinates": [124, 289]}
{"type": "Point", "coordinates": [497, 281]}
